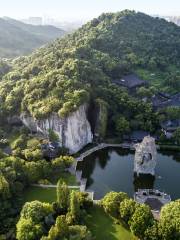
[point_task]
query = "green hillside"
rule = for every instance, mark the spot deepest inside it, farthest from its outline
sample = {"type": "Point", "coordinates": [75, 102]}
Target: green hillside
{"type": "Point", "coordinates": [81, 67]}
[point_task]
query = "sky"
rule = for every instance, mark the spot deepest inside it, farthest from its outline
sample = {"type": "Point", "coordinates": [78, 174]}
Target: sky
{"type": "Point", "coordinates": [83, 9]}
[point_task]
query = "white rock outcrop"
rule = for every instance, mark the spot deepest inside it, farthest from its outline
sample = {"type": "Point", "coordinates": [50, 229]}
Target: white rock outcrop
{"type": "Point", "coordinates": [145, 156]}
{"type": "Point", "coordinates": [74, 131]}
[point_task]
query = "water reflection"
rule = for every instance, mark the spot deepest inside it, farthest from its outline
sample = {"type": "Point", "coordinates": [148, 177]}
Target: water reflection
{"type": "Point", "coordinates": [112, 170]}
{"type": "Point", "coordinates": [143, 181]}
{"type": "Point", "coordinates": [175, 155]}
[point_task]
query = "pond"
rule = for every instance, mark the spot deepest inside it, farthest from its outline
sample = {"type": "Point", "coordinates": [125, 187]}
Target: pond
{"type": "Point", "coordinates": [112, 170]}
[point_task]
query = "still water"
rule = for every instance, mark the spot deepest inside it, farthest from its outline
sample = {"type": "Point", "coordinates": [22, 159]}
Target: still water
{"type": "Point", "coordinates": [112, 170]}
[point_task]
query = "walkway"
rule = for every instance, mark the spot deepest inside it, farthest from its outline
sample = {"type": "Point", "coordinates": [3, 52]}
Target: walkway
{"type": "Point", "coordinates": [102, 146]}
{"type": "Point", "coordinates": [52, 186]}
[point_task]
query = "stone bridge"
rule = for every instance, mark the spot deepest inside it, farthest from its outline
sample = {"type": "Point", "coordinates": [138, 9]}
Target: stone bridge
{"type": "Point", "coordinates": [102, 146]}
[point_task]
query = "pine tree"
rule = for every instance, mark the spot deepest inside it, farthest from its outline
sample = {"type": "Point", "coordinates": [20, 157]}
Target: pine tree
{"type": "Point", "coordinates": [74, 209]}
{"type": "Point", "coordinates": [62, 195]}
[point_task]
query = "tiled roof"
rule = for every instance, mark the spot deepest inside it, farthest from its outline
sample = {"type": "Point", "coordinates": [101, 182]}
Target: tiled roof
{"type": "Point", "coordinates": [130, 81]}
{"type": "Point", "coordinates": [160, 101]}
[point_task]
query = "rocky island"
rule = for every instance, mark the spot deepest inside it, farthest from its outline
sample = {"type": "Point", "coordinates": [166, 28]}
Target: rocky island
{"type": "Point", "coordinates": [145, 156]}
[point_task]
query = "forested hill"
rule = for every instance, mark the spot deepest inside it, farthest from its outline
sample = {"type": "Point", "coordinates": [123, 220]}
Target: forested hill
{"type": "Point", "coordinates": [81, 66]}
{"type": "Point", "coordinates": [17, 38]}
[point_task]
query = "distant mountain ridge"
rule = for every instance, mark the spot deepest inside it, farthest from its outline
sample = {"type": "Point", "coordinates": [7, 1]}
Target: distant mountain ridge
{"type": "Point", "coordinates": [17, 38]}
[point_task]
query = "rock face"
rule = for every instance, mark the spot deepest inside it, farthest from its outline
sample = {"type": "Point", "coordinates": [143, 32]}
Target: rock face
{"type": "Point", "coordinates": [101, 118]}
{"type": "Point", "coordinates": [74, 131]}
{"type": "Point", "coordinates": [145, 156]}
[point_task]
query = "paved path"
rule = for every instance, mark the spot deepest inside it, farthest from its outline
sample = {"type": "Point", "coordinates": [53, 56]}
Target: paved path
{"type": "Point", "coordinates": [52, 186]}
{"type": "Point", "coordinates": [102, 146]}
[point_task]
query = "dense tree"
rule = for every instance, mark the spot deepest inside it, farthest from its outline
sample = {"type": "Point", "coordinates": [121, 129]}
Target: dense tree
{"type": "Point", "coordinates": [173, 113]}
{"type": "Point", "coordinates": [141, 220]}
{"type": "Point", "coordinates": [36, 211]}
{"type": "Point", "coordinates": [27, 230]}
{"type": "Point", "coordinates": [20, 142]}
{"type": "Point", "coordinates": [62, 195]}
{"type": "Point", "coordinates": [32, 220]}
{"type": "Point", "coordinates": [74, 208]}
{"type": "Point", "coordinates": [111, 202]}
{"type": "Point", "coordinates": [60, 230]}
{"type": "Point", "coordinates": [4, 188]}
{"type": "Point", "coordinates": [62, 162]}
{"type": "Point", "coordinates": [122, 126]}
{"type": "Point", "coordinates": [81, 66]}
{"type": "Point", "coordinates": [127, 209]}
{"type": "Point", "coordinates": [84, 200]}
{"type": "Point", "coordinates": [31, 155]}
{"type": "Point", "coordinates": [79, 232]}
{"type": "Point", "coordinates": [144, 92]}
{"type": "Point", "coordinates": [169, 224]}
{"type": "Point", "coordinates": [152, 232]}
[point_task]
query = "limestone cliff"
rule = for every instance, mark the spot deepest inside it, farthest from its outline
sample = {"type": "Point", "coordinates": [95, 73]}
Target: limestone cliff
{"type": "Point", "coordinates": [101, 118]}
{"type": "Point", "coordinates": [145, 156]}
{"type": "Point", "coordinates": [74, 131]}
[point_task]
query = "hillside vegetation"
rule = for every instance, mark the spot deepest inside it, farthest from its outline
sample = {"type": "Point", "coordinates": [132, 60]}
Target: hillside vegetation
{"type": "Point", "coordinates": [17, 38]}
{"type": "Point", "coordinates": [81, 66]}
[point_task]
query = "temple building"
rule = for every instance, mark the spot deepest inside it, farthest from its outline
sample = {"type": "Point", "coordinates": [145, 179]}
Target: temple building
{"type": "Point", "coordinates": [131, 82]}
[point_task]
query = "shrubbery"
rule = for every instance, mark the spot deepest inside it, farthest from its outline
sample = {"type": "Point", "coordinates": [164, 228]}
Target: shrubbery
{"type": "Point", "coordinates": [140, 220]}
{"type": "Point", "coordinates": [57, 221]}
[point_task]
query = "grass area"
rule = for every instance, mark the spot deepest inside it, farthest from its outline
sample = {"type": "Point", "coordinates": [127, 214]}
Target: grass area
{"type": "Point", "coordinates": [103, 226]}
{"type": "Point", "coordinates": [41, 194]}
{"type": "Point", "coordinates": [68, 178]}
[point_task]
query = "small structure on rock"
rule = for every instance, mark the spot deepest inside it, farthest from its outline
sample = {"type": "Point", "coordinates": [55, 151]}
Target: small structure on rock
{"type": "Point", "coordinates": [145, 156]}
{"type": "Point", "coordinates": [154, 198]}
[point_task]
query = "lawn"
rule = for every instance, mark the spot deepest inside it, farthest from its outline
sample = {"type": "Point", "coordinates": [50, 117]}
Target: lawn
{"type": "Point", "coordinates": [41, 194]}
{"type": "Point", "coordinates": [103, 226]}
{"type": "Point", "coordinates": [68, 178]}
{"type": "Point", "coordinates": [99, 223]}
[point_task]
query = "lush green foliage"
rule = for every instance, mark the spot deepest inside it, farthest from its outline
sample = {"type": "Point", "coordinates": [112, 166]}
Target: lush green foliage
{"type": "Point", "coordinates": [24, 167]}
{"type": "Point", "coordinates": [111, 202]}
{"type": "Point", "coordinates": [62, 195]}
{"type": "Point", "coordinates": [127, 209]}
{"type": "Point", "coordinates": [122, 125]}
{"type": "Point", "coordinates": [74, 208]}
{"type": "Point", "coordinates": [50, 222]}
{"type": "Point", "coordinates": [139, 218]}
{"type": "Point", "coordinates": [81, 66]}
{"type": "Point", "coordinates": [102, 119]}
{"type": "Point", "coordinates": [58, 79]}
{"type": "Point", "coordinates": [53, 136]}
{"type": "Point", "coordinates": [169, 225]}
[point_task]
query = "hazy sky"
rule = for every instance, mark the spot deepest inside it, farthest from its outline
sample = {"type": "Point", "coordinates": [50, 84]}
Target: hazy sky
{"type": "Point", "coordinates": [84, 9]}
